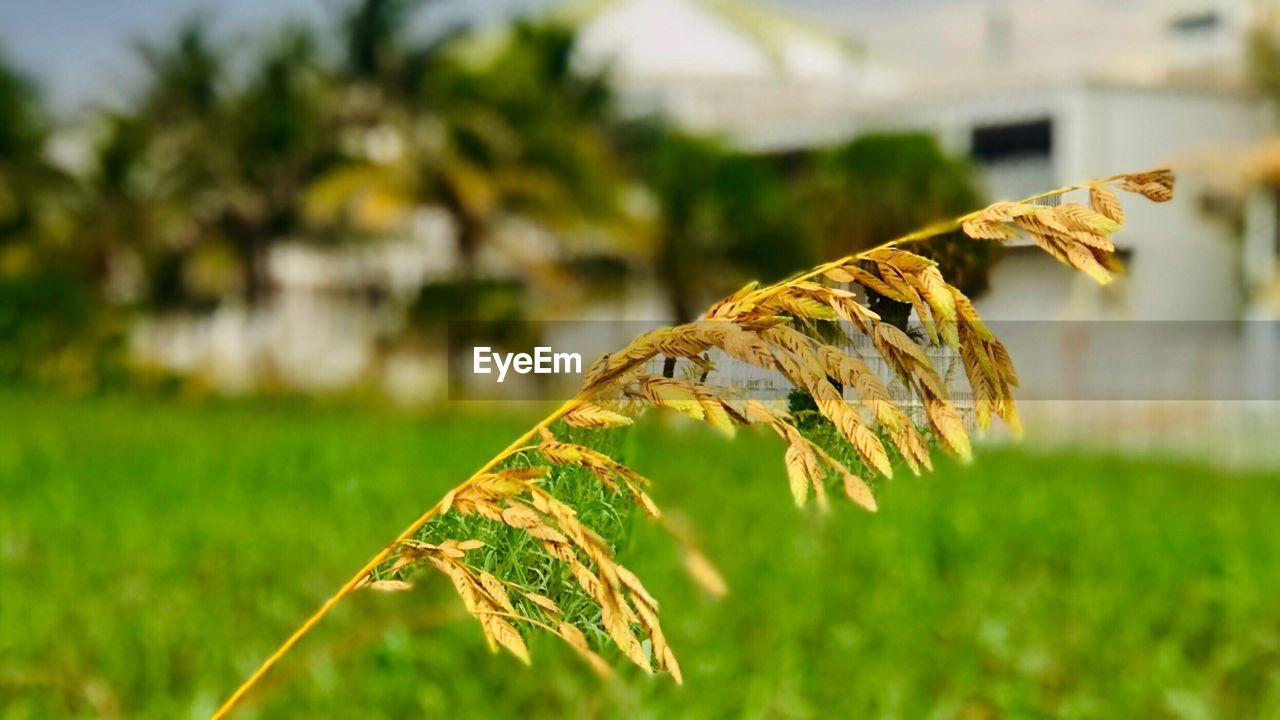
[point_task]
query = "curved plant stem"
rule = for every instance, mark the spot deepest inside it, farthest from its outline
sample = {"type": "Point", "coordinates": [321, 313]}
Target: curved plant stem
{"type": "Point", "coordinates": [378, 559]}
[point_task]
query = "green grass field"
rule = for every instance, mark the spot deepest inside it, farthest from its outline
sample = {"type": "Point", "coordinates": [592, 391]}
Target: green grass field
{"type": "Point", "coordinates": [152, 553]}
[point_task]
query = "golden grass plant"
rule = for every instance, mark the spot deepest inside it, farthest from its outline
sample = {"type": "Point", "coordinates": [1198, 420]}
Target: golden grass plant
{"type": "Point", "coordinates": [772, 327]}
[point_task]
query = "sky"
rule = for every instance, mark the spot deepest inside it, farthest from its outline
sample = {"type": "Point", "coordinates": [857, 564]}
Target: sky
{"type": "Point", "coordinates": [81, 50]}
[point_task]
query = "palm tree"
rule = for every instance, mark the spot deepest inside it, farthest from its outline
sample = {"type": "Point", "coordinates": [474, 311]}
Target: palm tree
{"type": "Point", "coordinates": [237, 157]}
{"type": "Point", "coordinates": [722, 215]}
{"type": "Point", "coordinates": [25, 174]}
{"type": "Point", "coordinates": [166, 139]}
{"type": "Point", "coordinates": [117, 213]}
{"type": "Point", "coordinates": [379, 52]}
{"type": "Point", "coordinates": [53, 325]}
{"type": "Point", "coordinates": [883, 185]}
{"type": "Point", "coordinates": [280, 136]}
{"type": "Point", "coordinates": [525, 135]}
{"type": "Point", "coordinates": [487, 136]}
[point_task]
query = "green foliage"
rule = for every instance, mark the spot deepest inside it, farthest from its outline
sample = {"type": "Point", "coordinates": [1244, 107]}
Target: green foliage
{"type": "Point", "coordinates": [727, 216]}
{"type": "Point", "coordinates": [186, 74]}
{"type": "Point", "coordinates": [227, 156]}
{"type": "Point", "coordinates": [535, 127]}
{"type": "Point", "coordinates": [503, 132]}
{"type": "Point", "coordinates": [53, 327]}
{"type": "Point", "coordinates": [723, 216]}
{"type": "Point", "coordinates": [1262, 54]}
{"type": "Point", "coordinates": [151, 554]}
{"type": "Point", "coordinates": [374, 32]}
{"type": "Point", "coordinates": [25, 175]}
{"type": "Point", "coordinates": [513, 555]}
{"type": "Point", "coordinates": [53, 330]}
{"type": "Point", "coordinates": [475, 312]}
{"type": "Point", "coordinates": [23, 128]}
{"type": "Point", "coordinates": [23, 171]}
{"type": "Point", "coordinates": [496, 301]}
{"type": "Point", "coordinates": [885, 185]}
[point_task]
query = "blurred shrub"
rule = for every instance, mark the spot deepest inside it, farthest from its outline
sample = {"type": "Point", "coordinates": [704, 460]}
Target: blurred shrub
{"type": "Point", "coordinates": [881, 186]}
{"type": "Point", "coordinates": [53, 329]}
{"type": "Point", "coordinates": [722, 216]}
{"type": "Point", "coordinates": [473, 311]}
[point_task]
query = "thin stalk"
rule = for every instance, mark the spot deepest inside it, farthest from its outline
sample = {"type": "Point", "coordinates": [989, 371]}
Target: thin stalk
{"type": "Point", "coordinates": [379, 558]}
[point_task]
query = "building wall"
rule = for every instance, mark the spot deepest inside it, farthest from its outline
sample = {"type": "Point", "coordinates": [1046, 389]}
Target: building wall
{"type": "Point", "coordinates": [1184, 265]}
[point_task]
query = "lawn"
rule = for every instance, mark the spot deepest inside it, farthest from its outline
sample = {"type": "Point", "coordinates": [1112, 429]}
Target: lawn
{"type": "Point", "coordinates": [153, 552]}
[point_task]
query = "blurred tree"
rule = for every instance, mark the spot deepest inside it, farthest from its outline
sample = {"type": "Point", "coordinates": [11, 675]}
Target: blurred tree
{"type": "Point", "coordinates": [525, 135]}
{"type": "Point", "coordinates": [186, 80]}
{"type": "Point", "coordinates": [1263, 54]}
{"type": "Point", "coordinates": [235, 157]}
{"type": "Point", "coordinates": [490, 129]}
{"type": "Point", "coordinates": [53, 326]}
{"type": "Point", "coordinates": [722, 216]}
{"type": "Point", "coordinates": [159, 158]}
{"type": "Point", "coordinates": [26, 176]}
{"type": "Point", "coordinates": [880, 186]}
{"type": "Point", "coordinates": [280, 136]}
{"type": "Point", "coordinates": [218, 161]}
{"type": "Point", "coordinates": [115, 213]}
{"type": "Point", "coordinates": [380, 53]}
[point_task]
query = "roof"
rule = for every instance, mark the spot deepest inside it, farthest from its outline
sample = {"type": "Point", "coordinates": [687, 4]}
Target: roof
{"type": "Point", "coordinates": [709, 39]}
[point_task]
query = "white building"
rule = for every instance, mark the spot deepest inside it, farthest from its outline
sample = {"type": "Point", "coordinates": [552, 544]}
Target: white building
{"type": "Point", "coordinates": [1027, 139]}
{"type": "Point", "coordinates": [1040, 95]}
{"type": "Point", "coordinates": [761, 78]}
{"type": "Point", "coordinates": [1044, 97]}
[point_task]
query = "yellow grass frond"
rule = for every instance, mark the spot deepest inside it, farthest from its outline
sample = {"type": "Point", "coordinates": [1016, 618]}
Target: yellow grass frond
{"type": "Point", "coordinates": [767, 327]}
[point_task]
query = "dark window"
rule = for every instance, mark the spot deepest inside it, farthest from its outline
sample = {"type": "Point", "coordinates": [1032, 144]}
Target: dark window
{"type": "Point", "coordinates": [1013, 141]}
{"type": "Point", "coordinates": [1197, 22]}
